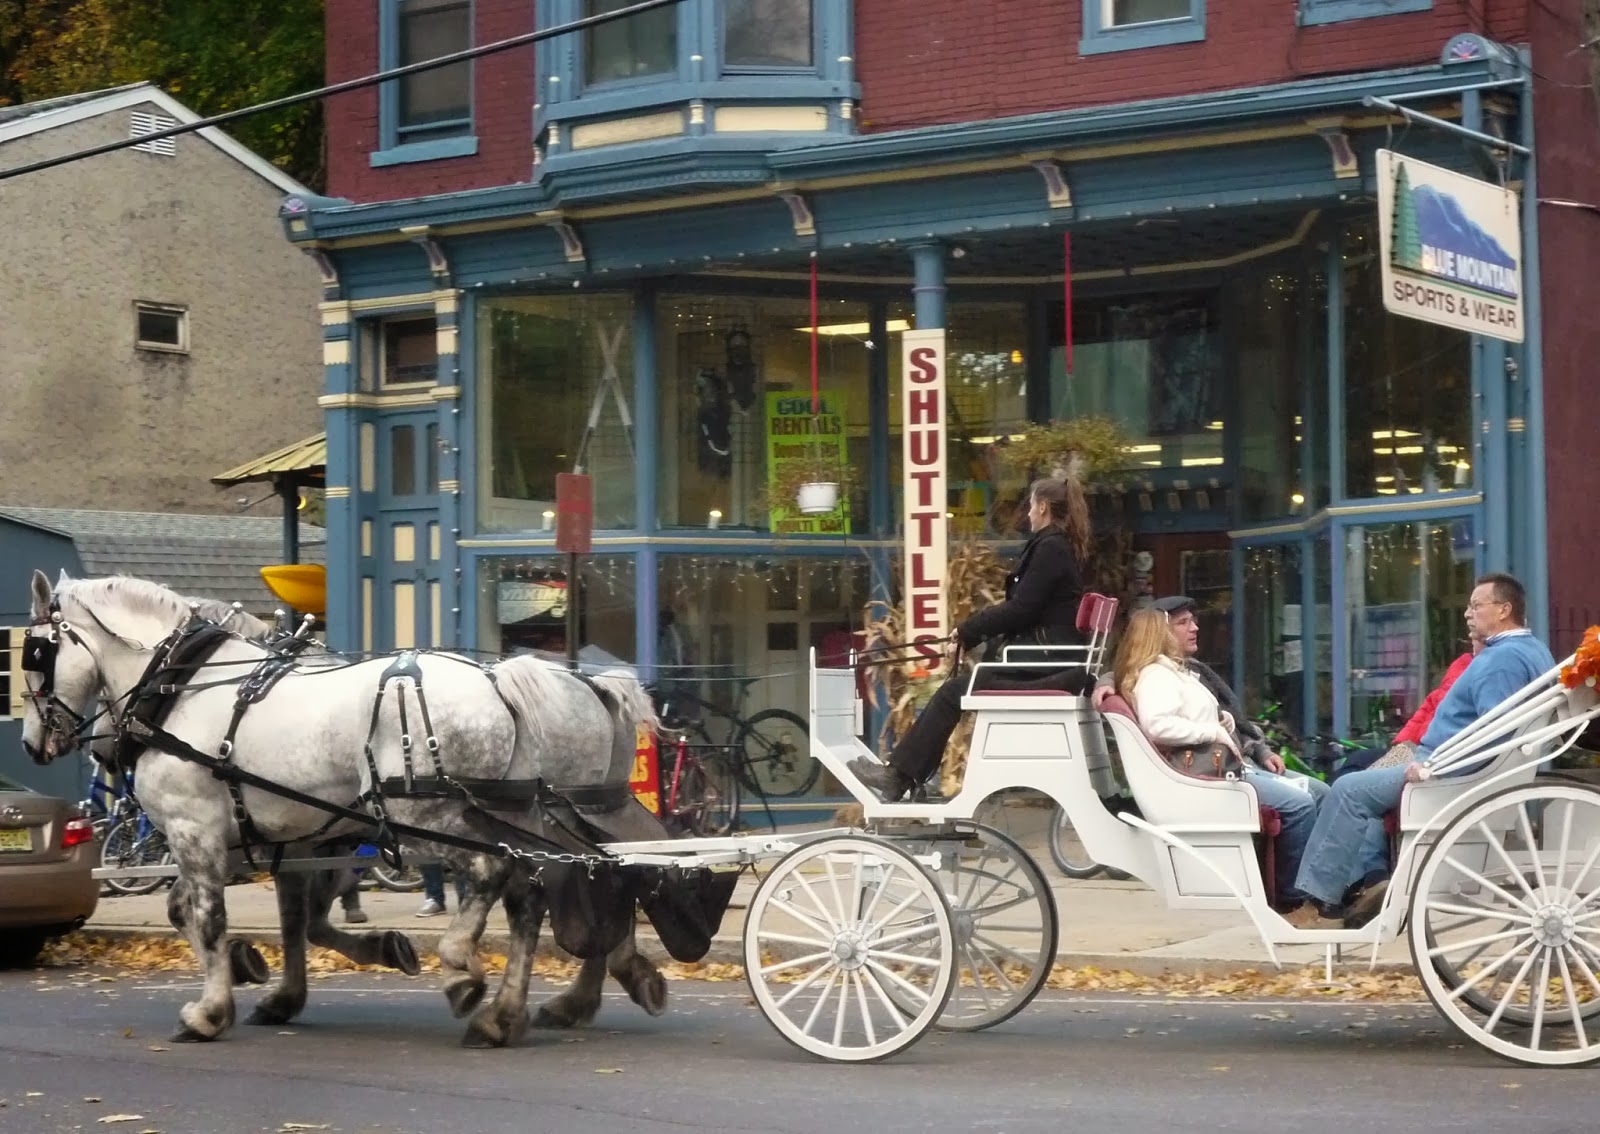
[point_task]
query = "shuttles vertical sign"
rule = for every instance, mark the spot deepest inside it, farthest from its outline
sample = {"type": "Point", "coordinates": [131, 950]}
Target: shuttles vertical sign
{"type": "Point", "coordinates": [923, 487]}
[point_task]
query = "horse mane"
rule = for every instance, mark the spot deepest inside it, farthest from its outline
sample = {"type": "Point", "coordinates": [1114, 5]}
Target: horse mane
{"type": "Point", "coordinates": [142, 596]}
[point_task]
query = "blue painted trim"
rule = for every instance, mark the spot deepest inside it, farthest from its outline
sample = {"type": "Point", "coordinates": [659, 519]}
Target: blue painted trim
{"type": "Point", "coordinates": [448, 415]}
{"type": "Point", "coordinates": [1236, 617]}
{"type": "Point", "coordinates": [1312, 13]}
{"type": "Point", "coordinates": [1308, 633]}
{"type": "Point", "coordinates": [469, 607]}
{"type": "Point", "coordinates": [830, 547]}
{"type": "Point", "coordinates": [646, 413]}
{"type": "Point", "coordinates": [647, 603]}
{"type": "Point", "coordinates": [467, 427]}
{"type": "Point", "coordinates": [391, 135]}
{"type": "Point", "coordinates": [927, 265]}
{"type": "Point", "coordinates": [434, 150]}
{"type": "Point", "coordinates": [1340, 664]}
{"type": "Point", "coordinates": [1336, 300]}
{"type": "Point", "coordinates": [1536, 572]}
{"type": "Point", "coordinates": [1099, 37]}
{"type": "Point", "coordinates": [880, 516]}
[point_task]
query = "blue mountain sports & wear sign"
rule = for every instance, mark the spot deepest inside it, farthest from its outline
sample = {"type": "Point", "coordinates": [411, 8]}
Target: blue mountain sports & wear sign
{"type": "Point", "coordinates": [1451, 246]}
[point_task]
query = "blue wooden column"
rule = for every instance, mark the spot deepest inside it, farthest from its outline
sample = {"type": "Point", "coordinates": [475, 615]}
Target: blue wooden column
{"type": "Point", "coordinates": [928, 288]}
{"type": "Point", "coordinates": [646, 429]}
{"type": "Point", "coordinates": [1533, 564]}
{"type": "Point", "coordinates": [447, 313]}
{"type": "Point", "coordinates": [1340, 645]}
{"type": "Point", "coordinates": [342, 554]}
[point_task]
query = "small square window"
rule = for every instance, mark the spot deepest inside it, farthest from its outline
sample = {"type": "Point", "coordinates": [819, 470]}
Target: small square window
{"type": "Point", "coordinates": [410, 351]}
{"type": "Point", "coordinates": [638, 47]}
{"type": "Point", "coordinates": [1126, 25]}
{"type": "Point", "coordinates": [160, 326]}
{"type": "Point", "coordinates": [767, 33]}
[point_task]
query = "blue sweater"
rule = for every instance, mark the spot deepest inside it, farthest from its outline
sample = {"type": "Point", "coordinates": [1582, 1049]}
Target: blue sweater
{"type": "Point", "coordinates": [1507, 663]}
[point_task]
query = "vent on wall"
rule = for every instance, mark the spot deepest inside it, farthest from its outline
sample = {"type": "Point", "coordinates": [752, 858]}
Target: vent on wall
{"type": "Point", "coordinates": [142, 124]}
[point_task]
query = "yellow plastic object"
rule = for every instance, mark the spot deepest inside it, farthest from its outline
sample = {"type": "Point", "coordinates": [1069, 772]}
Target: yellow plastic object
{"type": "Point", "coordinates": [303, 586]}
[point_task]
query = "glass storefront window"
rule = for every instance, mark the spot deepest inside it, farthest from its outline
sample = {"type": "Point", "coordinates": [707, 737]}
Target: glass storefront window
{"type": "Point", "coordinates": [986, 402]}
{"type": "Point", "coordinates": [1408, 389]}
{"type": "Point", "coordinates": [1270, 358]}
{"type": "Point", "coordinates": [1154, 364]}
{"type": "Point", "coordinates": [522, 606]}
{"type": "Point", "coordinates": [1406, 587]}
{"type": "Point", "coordinates": [744, 630]}
{"type": "Point", "coordinates": [545, 363]}
{"type": "Point", "coordinates": [730, 367]}
{"type": "Point", "coordinates": [1274, 632]}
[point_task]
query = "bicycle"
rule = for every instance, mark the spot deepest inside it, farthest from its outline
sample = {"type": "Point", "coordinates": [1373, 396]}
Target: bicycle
{"type": "Point", "coordinates": [128, 838]}
{"type": "Point", "coordinates": [1316, 756]}
{"type": "Point", "coordinates": [699, 795]}
{"type": "Point", "coordinates": [775, 743]}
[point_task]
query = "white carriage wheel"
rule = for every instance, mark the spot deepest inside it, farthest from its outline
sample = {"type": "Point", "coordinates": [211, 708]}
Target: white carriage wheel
{"type": "Point", "coordinates": [1505, 924]}
{"type": "Point", "coordinates": [826, 936]}
{"type": "Point", "coordinates": [1004, 916]}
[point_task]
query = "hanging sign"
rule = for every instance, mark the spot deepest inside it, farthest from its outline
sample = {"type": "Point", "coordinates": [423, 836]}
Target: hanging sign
{"type": "Point", "coordinates": [1451, 248]}
{"type": "Point", "coordinates": [796, 436]}
{"type": "Point", "coordinates": [923, 488]}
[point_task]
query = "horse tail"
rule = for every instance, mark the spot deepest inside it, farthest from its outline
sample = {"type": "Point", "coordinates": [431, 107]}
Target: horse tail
{"type": "Point", "coordinates": [630, 705]}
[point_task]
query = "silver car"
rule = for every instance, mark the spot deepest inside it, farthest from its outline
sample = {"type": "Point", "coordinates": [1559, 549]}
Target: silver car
{"type": "Point", "coordinates": [46, 854]}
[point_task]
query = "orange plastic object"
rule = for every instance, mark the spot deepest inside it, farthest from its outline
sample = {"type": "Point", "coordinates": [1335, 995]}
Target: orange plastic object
{"type": "Point", "coordinates": [303, 586]}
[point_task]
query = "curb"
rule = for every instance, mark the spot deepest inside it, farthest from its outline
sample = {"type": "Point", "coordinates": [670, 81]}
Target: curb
{"type": "Point", "coordinates": [727, 949]}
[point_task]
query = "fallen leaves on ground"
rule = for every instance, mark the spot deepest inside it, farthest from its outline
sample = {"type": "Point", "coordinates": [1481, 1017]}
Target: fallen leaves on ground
{"type": "Point", "coordinates": [110, 1118]}
{"type": "Point", "coordinates": [161, 953]}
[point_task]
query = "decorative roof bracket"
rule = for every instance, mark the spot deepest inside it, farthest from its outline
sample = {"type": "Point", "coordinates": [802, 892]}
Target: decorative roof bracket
{"type": "Point", "coordinates": [1332, 131]}
{"type": "Point", "coordinates": [1056, 189]}
{"type": "Point", "coordinates": [805, 222]}
{"type": "Point", "coordinates": [422, 236]}
{"type": "Point", "coordinates": [571, 242]}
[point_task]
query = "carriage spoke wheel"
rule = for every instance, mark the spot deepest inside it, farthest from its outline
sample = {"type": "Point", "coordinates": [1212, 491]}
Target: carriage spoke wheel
{"type": "Point", "coordinates": [1004, 916]}
{"type": "Point", "coordinates": [835, 927]}
{"type": "Point", "coordinates": [1505, 924]}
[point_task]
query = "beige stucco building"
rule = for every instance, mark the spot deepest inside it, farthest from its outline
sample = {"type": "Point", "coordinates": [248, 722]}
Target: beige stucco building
{"type": "Point", "coordinates": [155, 328]}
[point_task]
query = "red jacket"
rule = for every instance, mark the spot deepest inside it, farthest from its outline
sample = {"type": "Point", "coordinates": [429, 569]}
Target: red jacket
{"type": "Point", "coordinates": [1423, 717]}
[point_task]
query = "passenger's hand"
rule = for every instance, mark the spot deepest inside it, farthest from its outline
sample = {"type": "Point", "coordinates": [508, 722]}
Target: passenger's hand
{"type": "Point", "coordinates": [1416, 773]}
{"type": "Point", "coordinates": [1099, 695]}
{"type": "Point", "coordinates": [1274, 763]}
{"type": "Point", "coordinates": [1227, 721]}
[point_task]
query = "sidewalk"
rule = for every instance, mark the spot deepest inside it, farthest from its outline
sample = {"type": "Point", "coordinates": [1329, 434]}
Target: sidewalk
{"type": "Point", "coordinates": [1104, 923]}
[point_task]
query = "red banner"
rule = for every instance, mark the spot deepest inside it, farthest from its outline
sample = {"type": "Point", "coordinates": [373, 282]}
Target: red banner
{"type": "Point", "coordinates": [646, 778]}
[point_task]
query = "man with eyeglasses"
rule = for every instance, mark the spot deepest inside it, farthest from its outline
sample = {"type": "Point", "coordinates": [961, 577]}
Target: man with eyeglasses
{"type": "Point", "coordinates": [1511, 658]}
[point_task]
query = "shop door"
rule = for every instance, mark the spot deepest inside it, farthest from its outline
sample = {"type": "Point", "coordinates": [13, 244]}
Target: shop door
{"type": "Point", "coordinates": [408, 609]}
{"type": "Point", "coordinates": [1197, 564]}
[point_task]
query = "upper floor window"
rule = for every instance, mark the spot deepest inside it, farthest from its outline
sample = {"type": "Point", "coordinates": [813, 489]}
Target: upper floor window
{"type": "Point", "coordinates": [428, 114]}
{"type": "Point", "coordinates": [639, 47]}
{"type": "Point", "coordinates": [767, 33]}
{"type": "Point", "coordinates": [161, 326]}
{"type": "Point", "coordinates": [399, 352]}
{"type": "Point", "coordinates": [1338, 11]}
{"type": "Point", "coordinates": [1122, 25]}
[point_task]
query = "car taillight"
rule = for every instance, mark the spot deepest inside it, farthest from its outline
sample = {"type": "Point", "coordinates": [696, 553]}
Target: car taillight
{"type": "Point", "coordinates": [75, 832]}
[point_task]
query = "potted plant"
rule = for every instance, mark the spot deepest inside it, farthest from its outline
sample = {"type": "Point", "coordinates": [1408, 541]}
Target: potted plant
{"type": "Point", "coordinates": [816, 475]}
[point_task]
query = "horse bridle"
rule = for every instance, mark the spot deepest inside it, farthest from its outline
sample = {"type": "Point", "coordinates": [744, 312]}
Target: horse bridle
{"type": "Point", "coordinates": [39, 653]}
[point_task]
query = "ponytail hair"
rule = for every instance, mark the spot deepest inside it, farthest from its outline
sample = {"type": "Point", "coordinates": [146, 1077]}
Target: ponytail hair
{"type": "Point", "coordinates": [1069, 510]}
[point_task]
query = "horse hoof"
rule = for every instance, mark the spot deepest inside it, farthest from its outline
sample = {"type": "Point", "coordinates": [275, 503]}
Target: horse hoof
{"type": "Point", "coordinates": [464, 996]}
{"type": "Point", "coordinates": [186, 1034]}
{"type": "Point", "coordinates": [486, 1029]}
{"type": "Point", "coordinates": [267, 1014]}
{"type": "Point", "coordinates": [650, 992]}
{"type": "Point", "coordinates": [398, 953]}
{"type": "Point", "coordinates": [247, 963]}
{"type": "Point", "coordinates": [545, 1018]}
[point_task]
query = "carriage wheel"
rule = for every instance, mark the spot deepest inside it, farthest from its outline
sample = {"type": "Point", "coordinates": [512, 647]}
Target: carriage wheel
{"type": "Point", "coordinates": [1505, 924]}
{"type": "Point", "coordinates": [835, 926]}
{"type": "Point", "coordinates": [1005, 925]}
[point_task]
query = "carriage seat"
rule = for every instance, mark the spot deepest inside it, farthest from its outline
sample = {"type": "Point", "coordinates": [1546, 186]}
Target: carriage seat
{"type": "Point", "coordinates": [1177, 802]}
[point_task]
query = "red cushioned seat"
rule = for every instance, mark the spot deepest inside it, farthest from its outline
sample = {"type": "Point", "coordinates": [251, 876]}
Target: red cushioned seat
{"type": "Point", "coordinates": [1020, 693]}
{"type": "Point", "coordinates": [1267, 851]}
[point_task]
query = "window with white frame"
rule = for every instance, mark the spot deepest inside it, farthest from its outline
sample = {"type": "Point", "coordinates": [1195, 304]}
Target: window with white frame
{"type": "Point", "coordinates": [1314, 12]}
{"type": "Point", "coordinates": [12, 686]}
{"type": "Point", "coordinates": [161, 327]}
{"type": "Point", "coordinates": [1122, 25]}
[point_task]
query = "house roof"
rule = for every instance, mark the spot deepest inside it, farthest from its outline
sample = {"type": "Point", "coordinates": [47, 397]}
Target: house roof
{"type": "Point", "coordinates": [309, 458]}
{"type": "Point", "coordinates": [47, 114]}
{"type": "Point", "coordinates": [216, 557]}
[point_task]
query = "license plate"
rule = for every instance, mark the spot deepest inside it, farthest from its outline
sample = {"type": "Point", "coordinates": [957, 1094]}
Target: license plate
{"type": "Point", "coordinates": [15, 840]}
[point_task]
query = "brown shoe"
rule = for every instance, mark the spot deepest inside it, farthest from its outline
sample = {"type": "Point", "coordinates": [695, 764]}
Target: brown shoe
{"type": "Point", "coordinates": [1308, 916]}
{"type": "Point", "coordinates": [1366, 906]}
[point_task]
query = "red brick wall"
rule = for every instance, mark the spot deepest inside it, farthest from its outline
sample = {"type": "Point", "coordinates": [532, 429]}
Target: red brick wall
{"type": "Point", "coordinates": [923, 62]}
{"type": "Point", "coordinates": [502, 108]}
{"type": "Point", "coordinates": [1567, 144]}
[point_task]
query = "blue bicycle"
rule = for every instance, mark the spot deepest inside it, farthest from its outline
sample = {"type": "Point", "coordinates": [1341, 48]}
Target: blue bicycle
{"type": "Point", "coordinates": [128, 838]}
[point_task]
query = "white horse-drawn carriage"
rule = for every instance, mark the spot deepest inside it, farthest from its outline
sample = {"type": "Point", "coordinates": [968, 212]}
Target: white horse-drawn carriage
{"type": "Point", "coordinates": [857, 941]}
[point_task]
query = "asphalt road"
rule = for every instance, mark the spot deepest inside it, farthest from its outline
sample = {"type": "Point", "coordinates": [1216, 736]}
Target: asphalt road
{"type": "Point", "coordinates": [381, 1053]}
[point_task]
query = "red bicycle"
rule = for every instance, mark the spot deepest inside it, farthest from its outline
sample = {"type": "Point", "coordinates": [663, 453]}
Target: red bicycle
{"type": "Point", "coordinates": [699, 791]}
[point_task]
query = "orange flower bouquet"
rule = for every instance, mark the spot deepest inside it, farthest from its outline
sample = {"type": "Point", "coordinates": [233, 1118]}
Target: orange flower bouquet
{"type": "Point", "coordinates": [1585, 667]}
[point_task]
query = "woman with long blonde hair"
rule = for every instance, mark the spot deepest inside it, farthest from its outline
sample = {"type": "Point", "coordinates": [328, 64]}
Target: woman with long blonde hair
{"type": "Point", "coordinates": [1175, 709]}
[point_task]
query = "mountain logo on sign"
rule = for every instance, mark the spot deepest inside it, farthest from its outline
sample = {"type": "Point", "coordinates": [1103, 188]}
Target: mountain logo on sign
{"type": "Point", "coordinates": [1434, 236]}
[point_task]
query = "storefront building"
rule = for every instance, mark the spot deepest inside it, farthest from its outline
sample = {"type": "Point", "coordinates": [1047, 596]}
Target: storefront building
{"type": "Point", "coordinates": [1325, 476]}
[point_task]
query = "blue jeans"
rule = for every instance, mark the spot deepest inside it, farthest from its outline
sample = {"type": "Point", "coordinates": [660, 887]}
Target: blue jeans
{"type": "Point", "coordinates": [1338, 852]}
{"type": "Point", "coordinates": [1298, 812]}
{"type": "Point", "coordinates": [433, 883]}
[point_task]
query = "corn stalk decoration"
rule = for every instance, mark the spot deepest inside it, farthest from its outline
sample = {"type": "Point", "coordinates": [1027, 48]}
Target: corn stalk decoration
{"type": "Point", "coordinates": [1088, 447]}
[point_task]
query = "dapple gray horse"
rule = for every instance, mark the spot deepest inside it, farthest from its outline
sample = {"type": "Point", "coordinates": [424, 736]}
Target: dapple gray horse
{"type": "Point", "coordinates": [529, 720]}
